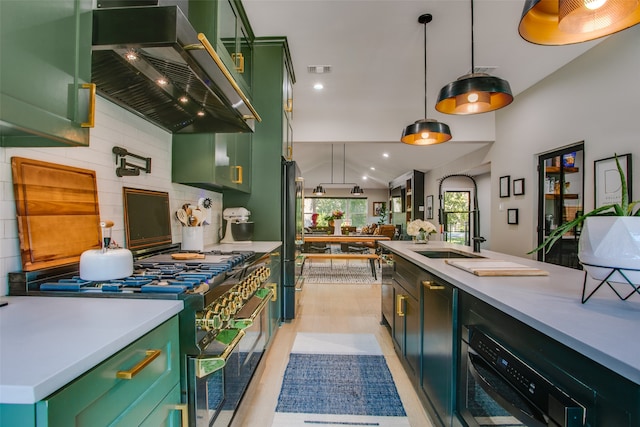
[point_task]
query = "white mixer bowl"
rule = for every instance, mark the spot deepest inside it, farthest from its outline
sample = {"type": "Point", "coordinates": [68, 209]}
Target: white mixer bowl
{"type": "Point", "coordinates": [109, 265]}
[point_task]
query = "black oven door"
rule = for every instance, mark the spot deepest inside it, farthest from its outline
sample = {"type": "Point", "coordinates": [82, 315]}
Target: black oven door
{"type": "Point", "coordinates": [501, 390]}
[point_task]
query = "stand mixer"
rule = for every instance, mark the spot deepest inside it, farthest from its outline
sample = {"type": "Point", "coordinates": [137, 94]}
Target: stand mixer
{"type": "Point", "coordinates": [239, 229]}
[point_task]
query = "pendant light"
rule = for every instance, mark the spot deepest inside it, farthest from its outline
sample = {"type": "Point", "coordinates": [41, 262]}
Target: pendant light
{"type": "Point", "coordinates": [474, 93]}
{"type": "Point", "coordinates": [356, 190]}
{"type": "Point", "coordinates": [560, 22]}
{"type": "Point", "coordinates": [319, 191]}
{"type": "Point", "coordinates": [426, 131]}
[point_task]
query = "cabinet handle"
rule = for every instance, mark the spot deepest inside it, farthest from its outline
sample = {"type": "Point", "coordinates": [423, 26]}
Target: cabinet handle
{"type": "Point", "coordinates": [400, 305]}
{"type": "Point", "coordinates": [429, 284]}
{"type": "Point", "coordinates": [227, 74]}
{"type": "Point", "coordinates": [274, 288]}
{"type": "Point", "coordinates": [91, 116]}
{"type": "Point", "coordinates": [127, 375]}
{"type": "Point", "coordinates": [184, 417]}
{"type": "Point", "coordinates": [238, 61]}
{"type": "Point", "coordinates": [289, 107]}
{"type": "Point", "coordinates": [290, 152]}
{"type": "Point", "coordinates": [238, 174]}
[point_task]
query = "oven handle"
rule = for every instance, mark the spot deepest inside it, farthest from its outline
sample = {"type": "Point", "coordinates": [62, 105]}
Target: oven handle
{"type": "Point", "coordinates": [207, 365]}
{"type": "Point", "coordinates": [245, 322]}
{"type": "Point", "coordinates": [533, 419]}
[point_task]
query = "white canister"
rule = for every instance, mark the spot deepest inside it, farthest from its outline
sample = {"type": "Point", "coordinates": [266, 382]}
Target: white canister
{"type": "Point", "coordinates": [193, 239]}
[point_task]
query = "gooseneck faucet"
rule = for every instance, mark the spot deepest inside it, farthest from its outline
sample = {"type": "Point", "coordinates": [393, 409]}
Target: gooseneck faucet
{"type": "Point", "coordinates": [476, 239]}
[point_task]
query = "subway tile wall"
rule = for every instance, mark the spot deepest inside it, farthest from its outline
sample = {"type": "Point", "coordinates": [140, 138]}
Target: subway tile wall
{"type": "Point", "coordinates": [114, 127]}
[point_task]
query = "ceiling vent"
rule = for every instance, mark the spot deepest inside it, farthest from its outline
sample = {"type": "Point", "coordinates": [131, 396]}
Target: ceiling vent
{"type": "Point", "coordinates": [319, 69]}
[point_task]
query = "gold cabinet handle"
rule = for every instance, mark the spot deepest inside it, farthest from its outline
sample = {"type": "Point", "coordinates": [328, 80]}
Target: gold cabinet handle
{"type": "Point", "coordinates": [289, 107]}
{"type": "Point", "coordinates": [238, 61]}
{"type": "Point", "coordinates": [127, 375]}
{"type": "Point", "coordinates": [274, 288]}
{"type": "Point", "coordinates": [184, 411]}
{"type": "Point", "coordinates": [429, 284]}
{"type": "Point", "coordinates": [91, 116]}
{"type": "Point", "coordinates": [227, 74]}
{"type": "Point", "coordinates": [238, 175]}
{"type": "Point", "coordinates": [400, 305]}
{"type": "Point", "coordinates": [290, 152]}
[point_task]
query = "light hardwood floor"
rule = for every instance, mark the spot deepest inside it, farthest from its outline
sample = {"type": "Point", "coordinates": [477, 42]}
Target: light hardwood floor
{"type": "Point", "coordinates": [328, 308]}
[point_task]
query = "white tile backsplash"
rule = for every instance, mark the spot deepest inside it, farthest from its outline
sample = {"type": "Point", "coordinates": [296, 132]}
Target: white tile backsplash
{"type": "Point", "coordinates": [114, 127]}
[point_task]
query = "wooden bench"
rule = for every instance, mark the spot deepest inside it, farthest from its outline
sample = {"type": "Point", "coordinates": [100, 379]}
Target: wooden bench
{"type": "Point", "coordinates": [371, 257]}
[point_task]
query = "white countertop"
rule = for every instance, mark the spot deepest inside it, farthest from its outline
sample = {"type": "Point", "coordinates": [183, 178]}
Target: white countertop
{"type": "Point", "coordinates": [46, 342]}
{"type": "Point", "coordinates": [261, 247]}
{"type": "Point", "coordinates": [604, 329]}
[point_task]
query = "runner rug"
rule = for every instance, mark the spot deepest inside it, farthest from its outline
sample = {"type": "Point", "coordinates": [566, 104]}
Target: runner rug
{"type": "Point", "coordinates": [338, 380]}
{"type": "Point", "coordinates": [353, 273]}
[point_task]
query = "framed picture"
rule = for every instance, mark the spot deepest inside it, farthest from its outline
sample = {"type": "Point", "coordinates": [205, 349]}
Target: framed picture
{"type": "Point", "coordinates": [512, 216]}
{"type": "Point", "coordinates": [607, 184]}
{"type": "Point", "coordinates": [377, 208]}
{"type": "Point", "coordinates": [430, 207]}
{"type": "Point", "coordinates": [505, 183]}
{"type": "Point", "coordinates": [518, 187]}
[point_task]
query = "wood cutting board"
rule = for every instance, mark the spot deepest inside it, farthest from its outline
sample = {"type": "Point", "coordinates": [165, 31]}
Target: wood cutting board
{"type": "Point", "coordinates": [57, 210]}
{"type": "Point", "coordinates": [186, 255]}
{"type": "Point", "coordinates": [492, 267]}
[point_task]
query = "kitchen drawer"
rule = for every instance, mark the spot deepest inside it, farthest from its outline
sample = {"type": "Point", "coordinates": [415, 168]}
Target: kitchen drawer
{"type": "Point", "coordinates": [407, 276]}
{"type": "Point", "coordinates": [167, 413]}
{"type": "Point", "coordinates": [99, 397]}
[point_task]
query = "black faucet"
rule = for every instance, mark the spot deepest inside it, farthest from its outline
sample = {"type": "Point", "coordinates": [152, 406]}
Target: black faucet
{"type": "Point", "coordinates": [477, 239]}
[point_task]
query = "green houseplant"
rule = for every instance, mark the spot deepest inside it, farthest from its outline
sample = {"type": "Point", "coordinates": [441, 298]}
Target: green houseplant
{"type": "Point", "coordinates": [609, 245]}
{"type": "Point", "coordinates": [625, 208]}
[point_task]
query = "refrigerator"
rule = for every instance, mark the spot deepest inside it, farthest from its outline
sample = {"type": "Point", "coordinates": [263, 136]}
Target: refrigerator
{"type": "Point", "coordinates": [292, 238]}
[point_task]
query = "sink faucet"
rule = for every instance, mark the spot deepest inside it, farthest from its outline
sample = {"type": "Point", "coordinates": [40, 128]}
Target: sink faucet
{"type": "Point", "coordinates": [477, 240]}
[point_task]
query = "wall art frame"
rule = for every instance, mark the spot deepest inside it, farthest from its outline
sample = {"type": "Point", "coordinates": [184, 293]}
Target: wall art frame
{"type": "Point", "coordinates": [429, 205]}
{"type": "Point", "coordinates": [512, 216]}
{"type": "Point", "coordinates": [505, 184]}
{"type": "Point", "coordinates": [607, 184]}
{"type": "Point", "coordinates": [518, 187]}
{"type": "Point", "coordinates": [377, 208]}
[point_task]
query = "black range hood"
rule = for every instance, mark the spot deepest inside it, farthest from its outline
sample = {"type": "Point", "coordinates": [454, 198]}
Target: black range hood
{"type": "Point", "coordinates": [136, 47]}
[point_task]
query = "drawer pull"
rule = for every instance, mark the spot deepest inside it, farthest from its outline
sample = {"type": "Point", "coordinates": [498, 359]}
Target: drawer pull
{"type": "Point", "coordinates": [184, 417]}
{"type": "Point", "coordinates": [400, 305]}
{"type": "Point", "coordinates": [274, 288]}
{"type": "Point", "coordinates": [91, 118]}
{"type": "Point", "coordinates": [238, 175]}
{"type": "Point", "coordinates": [127, 375]}
{"type": "Point", "coordinates": [429, 284]}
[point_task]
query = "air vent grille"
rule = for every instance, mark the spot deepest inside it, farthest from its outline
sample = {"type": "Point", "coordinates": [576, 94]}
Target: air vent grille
{"type": "Point", "coordinates": [319, 69]}
{"type": "Point", "coordinates": [487, 69]}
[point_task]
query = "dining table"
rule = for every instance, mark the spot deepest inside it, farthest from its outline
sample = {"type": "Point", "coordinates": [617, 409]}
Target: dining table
{"type": "Point", "coordinates": [344, 238]}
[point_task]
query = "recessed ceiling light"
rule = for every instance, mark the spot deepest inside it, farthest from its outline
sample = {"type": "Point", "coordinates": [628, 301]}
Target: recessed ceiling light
{"type": "Point", "coordinates": [364, 177]}
{"type": "Point", "coordinates": [385, 154]}
{"type": "Point", "coordinates": [131, 55]}
{"type": "Point", "coordinates": [200, 113]}
{"type": "Point", "coordinates": [372, 168]}
{"type": "Point", "coordinates": [162, 81]}
{"type": "Point", "coordinates": [183, 99]}
{"type": "Point", "coordinates": [318, 86]}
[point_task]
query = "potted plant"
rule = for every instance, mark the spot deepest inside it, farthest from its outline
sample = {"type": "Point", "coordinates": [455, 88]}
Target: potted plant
{"type": "Point", "coordinates": [609, 240]}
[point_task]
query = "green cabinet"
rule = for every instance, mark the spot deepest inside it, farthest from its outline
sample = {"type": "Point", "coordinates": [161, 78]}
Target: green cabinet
{"type": "Point", "coordinates": [45, 67]}
{"type": "Point", "coordinates": [139, 385]}
{"type": "Point", "coordinates": [406, 330]}
{"type": "Point", "coordinates": [270, 56]}
{"type": "Point", "coordinates": [437, 362]}
{"type": "Point", "coordinates": [275, 282]}
{"type": "Point", "coordinates": [212, 161]}
{"type": "Point", "coordinates": [225, 24]}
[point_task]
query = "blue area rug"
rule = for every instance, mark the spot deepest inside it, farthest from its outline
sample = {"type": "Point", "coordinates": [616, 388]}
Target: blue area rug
{"type": "Point", "coordinates": [339, 384]}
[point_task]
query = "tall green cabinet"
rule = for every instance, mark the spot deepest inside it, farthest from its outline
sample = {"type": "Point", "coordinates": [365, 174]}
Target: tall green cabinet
{"type": "Point", "coordinates": [46, 98]}
{"type": "Point", "coordinates": [273, 98]}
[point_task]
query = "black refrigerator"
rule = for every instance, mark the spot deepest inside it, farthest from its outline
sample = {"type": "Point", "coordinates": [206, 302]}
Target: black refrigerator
{"type": "Point", "coordinates": [292, 237]}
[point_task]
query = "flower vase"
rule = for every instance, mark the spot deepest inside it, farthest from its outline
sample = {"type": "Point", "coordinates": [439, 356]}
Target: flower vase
{"type": "Point", "coordinates": [337, 227]}
{"type": "Point", "coordinates": [422, 237]}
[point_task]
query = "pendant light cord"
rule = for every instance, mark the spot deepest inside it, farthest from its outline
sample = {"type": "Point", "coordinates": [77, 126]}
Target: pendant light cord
{"type": "Point", "coordinates": [425, 69]}
{"type": "Point", "coordinates": [473, 67]}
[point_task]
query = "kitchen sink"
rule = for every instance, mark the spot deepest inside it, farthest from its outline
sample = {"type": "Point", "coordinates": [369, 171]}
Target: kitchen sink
{"type": "Point", "coordinates": [447, 253]}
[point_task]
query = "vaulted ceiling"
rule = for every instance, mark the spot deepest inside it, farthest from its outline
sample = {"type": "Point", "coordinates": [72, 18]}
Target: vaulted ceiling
{"type": "Point", "coordinates": [375, 87]}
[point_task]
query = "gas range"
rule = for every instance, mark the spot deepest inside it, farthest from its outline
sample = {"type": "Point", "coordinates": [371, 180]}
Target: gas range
{"type": "Point", "coordinates": [156, 276]}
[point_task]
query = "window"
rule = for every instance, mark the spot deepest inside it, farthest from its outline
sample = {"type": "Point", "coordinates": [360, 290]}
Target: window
{"type": "Point", "coordinates": [355, 210]}
{"type": "Point", "coordinates": [456, 213]}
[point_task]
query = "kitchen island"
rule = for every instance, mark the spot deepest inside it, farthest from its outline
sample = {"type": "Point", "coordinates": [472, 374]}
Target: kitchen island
{"type": "Point", "coordinates": [543, 315]}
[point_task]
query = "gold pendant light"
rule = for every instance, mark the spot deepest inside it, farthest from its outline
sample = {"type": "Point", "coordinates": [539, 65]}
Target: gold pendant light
{"type": "Point", "coordinates": [560, 22]}
{"type": "Point", "coordinates": [426, 131]}
{"type": "Point", "coordinates": [474, 93]}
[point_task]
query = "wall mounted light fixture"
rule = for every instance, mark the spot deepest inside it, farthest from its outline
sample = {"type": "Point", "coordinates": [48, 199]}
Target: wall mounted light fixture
{"type": "Point", "coordinates": [356, 190]}
{"type": "Point", "coordinates": [474, 93]}
{"type": "Point", "coordinates": [560, 22]}
{"type": "Point", "coordinates": [425, 131]}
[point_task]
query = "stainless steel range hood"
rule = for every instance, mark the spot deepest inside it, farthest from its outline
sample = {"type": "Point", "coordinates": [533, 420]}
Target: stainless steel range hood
{"type": "Point", "coordinates": [151, 61]}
